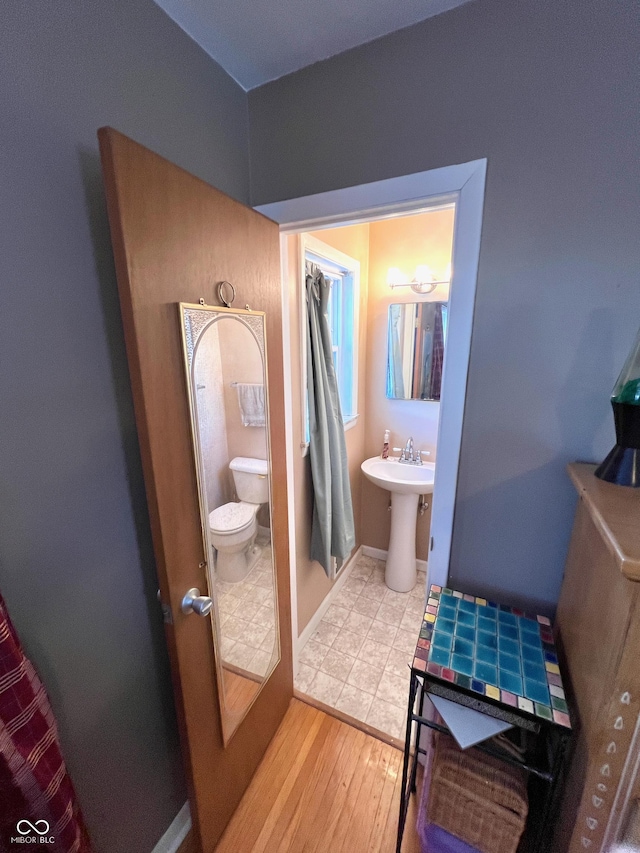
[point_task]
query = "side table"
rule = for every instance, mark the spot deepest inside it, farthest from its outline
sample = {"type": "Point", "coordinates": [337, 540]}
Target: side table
{"type": "Point", "coordinates": [502, 662]}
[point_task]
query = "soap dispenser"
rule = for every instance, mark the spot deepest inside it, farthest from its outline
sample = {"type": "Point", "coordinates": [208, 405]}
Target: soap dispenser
{"type": "Point", "coordinates": [385, 445]}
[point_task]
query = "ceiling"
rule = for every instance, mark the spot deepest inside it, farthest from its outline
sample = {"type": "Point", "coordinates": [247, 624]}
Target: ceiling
{"type": "Point", "coordinates": [260, 40]}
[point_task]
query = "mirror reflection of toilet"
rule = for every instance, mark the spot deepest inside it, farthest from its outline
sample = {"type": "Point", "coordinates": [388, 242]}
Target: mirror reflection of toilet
{"type": "Point", "coordinates": [234, 525]}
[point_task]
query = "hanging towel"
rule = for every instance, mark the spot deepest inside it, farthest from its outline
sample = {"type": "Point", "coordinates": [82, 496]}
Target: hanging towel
{"type": "Point", "coordinates": [36, 795]}
{"type": "Point", "coordinates": [251, 402]}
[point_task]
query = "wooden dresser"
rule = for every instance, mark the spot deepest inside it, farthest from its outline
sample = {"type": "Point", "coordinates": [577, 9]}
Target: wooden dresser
{"type": "Point", "coordinates": [598, 631]}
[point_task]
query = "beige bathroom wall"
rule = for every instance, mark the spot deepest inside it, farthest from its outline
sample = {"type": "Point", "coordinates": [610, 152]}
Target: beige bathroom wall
{"type": "Point", "coordinates": [212, 428]}
{"type": "Point", "coordinates": [241, 362]}
{"type": "Point", "coordinates": [403, 242]}
{"type": "Point", "coordinates": [312, 583]}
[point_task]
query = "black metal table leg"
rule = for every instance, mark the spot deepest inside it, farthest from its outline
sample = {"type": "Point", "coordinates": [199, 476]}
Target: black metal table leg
{"type": "Point", "coordinates": [414, 769]}
{"type": "Point", "coordinates": [404, 793]}
{"type": "Point", "coordinates": [551, 798]}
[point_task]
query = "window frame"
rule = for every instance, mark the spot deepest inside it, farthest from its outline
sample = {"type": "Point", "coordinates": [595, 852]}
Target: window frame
{"type": "Point", "coordinates": [336, 263]}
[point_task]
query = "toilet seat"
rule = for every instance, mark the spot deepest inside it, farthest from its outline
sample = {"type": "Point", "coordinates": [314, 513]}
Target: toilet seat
{"type": "Point", "coordinates": [232, 517]}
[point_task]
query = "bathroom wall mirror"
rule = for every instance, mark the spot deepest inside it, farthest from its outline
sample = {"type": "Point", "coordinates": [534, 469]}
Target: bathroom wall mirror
{"type": "Point", "coordinates": [225, 361]}
{"type": "Point", "coordinates": [415, 350]}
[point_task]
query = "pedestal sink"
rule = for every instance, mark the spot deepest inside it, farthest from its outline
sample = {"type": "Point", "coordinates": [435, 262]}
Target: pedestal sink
{"type": "Point", "coordinates": [406, 483]}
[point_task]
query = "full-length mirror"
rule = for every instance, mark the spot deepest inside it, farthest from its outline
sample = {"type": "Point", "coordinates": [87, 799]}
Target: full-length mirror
{"type": "Point", "coordinates": [225, 361]}
{"type": "Point", "coordinates": [415, 350]}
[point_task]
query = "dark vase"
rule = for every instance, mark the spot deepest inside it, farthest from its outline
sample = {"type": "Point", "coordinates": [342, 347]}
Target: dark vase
{"type": "Point", "coordinates": [622, 465]}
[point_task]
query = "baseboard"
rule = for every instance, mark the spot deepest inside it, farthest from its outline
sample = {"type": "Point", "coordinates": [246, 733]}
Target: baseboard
{"type": "Point", "coordinates": [379, 554]}
{"type": "Point", "coordinates": [315, 620]}
{"type": "Point", "coordinates": [176, 833]}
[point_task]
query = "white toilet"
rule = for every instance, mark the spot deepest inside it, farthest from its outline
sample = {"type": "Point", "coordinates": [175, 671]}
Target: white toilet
{"type": "Point", "coordinates": [234, 526]}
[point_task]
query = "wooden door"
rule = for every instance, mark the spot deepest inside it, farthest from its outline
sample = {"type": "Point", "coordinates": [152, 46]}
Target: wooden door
{"type": "Point", "coordinates": [174, 239]}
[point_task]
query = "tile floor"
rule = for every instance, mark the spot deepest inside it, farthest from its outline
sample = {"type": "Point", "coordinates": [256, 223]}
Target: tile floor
{"type": "Point", "coordinates": [358, 659]}
{"type": "Point", "coordinates": [247, 617]}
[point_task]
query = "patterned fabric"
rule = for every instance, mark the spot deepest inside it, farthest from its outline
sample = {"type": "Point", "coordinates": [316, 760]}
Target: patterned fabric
{"type": "Point", "coordinates": [37, 800]}
{"type": "Point", "coordinates": [437, 356]}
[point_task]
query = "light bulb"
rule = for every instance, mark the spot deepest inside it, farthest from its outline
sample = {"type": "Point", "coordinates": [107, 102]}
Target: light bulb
{"type": "Point", "coordinates": [395, 277]}
{"type": "Point", "coordinates": [424, 274]}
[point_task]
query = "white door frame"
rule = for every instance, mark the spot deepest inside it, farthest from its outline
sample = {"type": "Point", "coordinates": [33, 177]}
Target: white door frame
{"type": "Point", "coordinates": [464, 184]}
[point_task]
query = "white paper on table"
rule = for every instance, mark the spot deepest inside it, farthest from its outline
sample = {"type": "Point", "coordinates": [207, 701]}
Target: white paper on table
{"type": "Point", "coordinates": [466, 725]}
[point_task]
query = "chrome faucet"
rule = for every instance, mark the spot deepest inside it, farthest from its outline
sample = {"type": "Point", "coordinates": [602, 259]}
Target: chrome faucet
{"type": "Point", "coordinates": [407, 454]}
{"type": "Point", "coordinates": [408, 450]}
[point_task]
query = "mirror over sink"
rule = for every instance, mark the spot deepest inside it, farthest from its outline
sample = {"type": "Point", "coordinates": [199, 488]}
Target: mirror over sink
{"type": "Point", "coordinates": [225, 362]}
{"type": "Point", "coordinates": [417, 334]}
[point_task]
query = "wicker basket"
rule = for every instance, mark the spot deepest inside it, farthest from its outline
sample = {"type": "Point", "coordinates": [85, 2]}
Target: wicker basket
{"type": "Point", "coordinates": [477, 798]}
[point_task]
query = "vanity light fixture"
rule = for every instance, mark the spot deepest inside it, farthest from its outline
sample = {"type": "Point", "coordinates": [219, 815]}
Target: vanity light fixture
{"type": "Point", "coordinates": [423, 281]}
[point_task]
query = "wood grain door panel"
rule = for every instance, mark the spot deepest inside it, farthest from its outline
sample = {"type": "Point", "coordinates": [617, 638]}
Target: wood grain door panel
{"type": "Point", "coordinates": [174, 238]}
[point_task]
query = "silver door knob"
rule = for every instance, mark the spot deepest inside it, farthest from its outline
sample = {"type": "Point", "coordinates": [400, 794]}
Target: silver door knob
{"type": "Point", "coordinates": [193, 602]}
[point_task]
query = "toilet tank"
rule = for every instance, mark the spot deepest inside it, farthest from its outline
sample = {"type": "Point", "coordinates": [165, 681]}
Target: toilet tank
{"type": "Point", "coordinates": [251, 479]}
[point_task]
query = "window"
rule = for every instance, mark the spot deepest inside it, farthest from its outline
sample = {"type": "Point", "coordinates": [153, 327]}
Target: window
{"type": "Point", "coordinates": [343, 273]}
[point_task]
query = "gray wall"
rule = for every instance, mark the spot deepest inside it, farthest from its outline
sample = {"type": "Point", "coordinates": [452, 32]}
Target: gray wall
{"type": "Point", "coordinates": [548, 91]}
{"type": "Point", "coordinates": [76, 564]}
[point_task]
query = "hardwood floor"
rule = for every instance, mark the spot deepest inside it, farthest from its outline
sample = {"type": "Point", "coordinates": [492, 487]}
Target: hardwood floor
{"type": "Point", "coordinates": [239, 693]}
{"type": "Point", "coordinates": [322, 787]}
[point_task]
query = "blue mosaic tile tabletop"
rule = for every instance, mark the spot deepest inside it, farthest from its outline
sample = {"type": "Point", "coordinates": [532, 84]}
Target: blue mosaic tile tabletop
{"type": "Point", "coordinates": [497, 651]}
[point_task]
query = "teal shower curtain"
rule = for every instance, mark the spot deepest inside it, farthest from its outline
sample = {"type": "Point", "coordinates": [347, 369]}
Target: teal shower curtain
{"type": "Point", "coordinates": [395, 380]}
{"type": "Point", "coordinates": [332, 530]}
